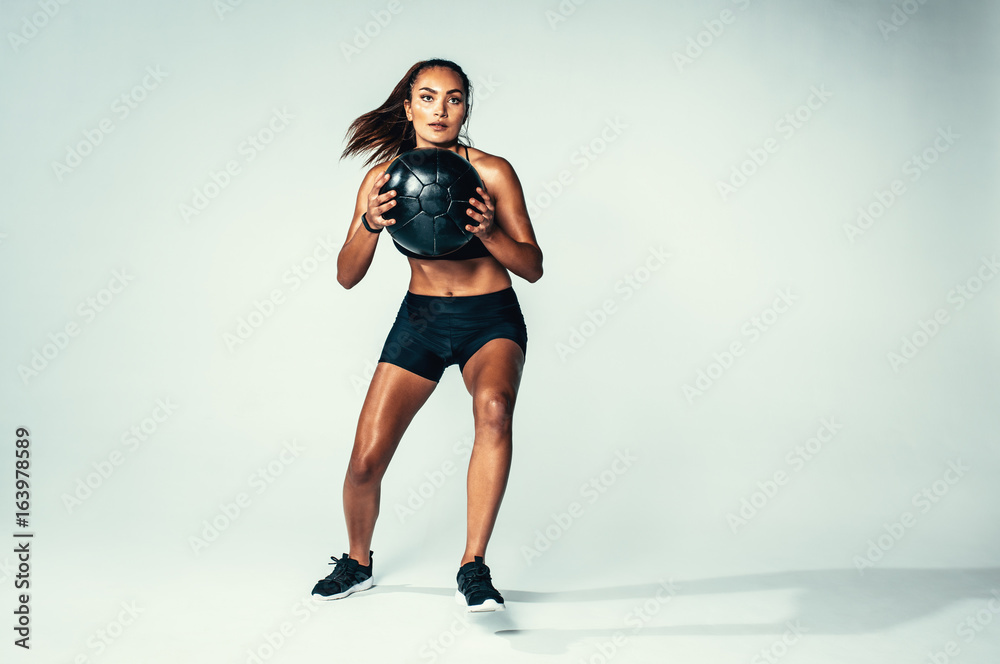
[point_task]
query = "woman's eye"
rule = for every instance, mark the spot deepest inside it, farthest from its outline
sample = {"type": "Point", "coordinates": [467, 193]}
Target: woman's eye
{"type": "Point", "coordinates": [425, 97]}
{"type": "Point", "coordinates": [456, 99]}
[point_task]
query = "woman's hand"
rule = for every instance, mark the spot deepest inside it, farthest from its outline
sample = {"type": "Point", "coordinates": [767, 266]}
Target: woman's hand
{"type": "Point", "coordinates": [483, 213]}
{"type": "Point", "coordinates": [379, 203]}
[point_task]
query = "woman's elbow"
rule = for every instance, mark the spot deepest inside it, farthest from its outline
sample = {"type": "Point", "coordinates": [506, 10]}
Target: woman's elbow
{"type": "Point", "coordinates": [538, 271]}
{"type": "Point", "coordinates": [534, 275]}
{"type": "Point", "coordinates": [345, 279]}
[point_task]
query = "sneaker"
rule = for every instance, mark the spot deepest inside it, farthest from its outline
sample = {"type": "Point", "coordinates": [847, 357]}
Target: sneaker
{"type": "Point", "coordinates": [475, 589]}
{"type": "Point", "coordinates": [348, 576]}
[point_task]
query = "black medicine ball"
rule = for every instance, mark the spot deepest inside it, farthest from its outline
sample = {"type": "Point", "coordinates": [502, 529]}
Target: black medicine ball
{"type": "Point", "coordinates": [433, 187]}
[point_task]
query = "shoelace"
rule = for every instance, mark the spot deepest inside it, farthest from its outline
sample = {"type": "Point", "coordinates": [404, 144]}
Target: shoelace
{"type": "Point", "coordinates": [478, 579]}
{"type": "Point", "coordinates": [342, 565]}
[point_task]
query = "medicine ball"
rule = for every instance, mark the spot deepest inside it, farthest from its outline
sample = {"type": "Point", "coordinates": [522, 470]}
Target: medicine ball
{"type": "Point", "coordinates": [433, 187]}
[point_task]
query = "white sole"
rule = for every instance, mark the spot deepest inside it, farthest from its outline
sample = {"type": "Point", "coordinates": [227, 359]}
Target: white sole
{"type": "Point", "coordinates": [488, 605]}
{"type": "Point", "coordinates": [356, 588]}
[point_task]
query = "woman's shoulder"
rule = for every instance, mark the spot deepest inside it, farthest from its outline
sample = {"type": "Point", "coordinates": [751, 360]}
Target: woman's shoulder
{"type": "Point", "coordinates": [374, 172]}
{"type": "Point", "coordinates": [489, 164]}
{"type": "Point", "coordinates": [378, 168]}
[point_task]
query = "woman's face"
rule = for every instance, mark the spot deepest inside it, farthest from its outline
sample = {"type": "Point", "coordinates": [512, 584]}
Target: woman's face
{"type": "Point", "coordinates": [436, 107]}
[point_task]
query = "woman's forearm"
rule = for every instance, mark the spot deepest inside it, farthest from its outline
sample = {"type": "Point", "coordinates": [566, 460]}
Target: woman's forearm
{"type": "Point", "coordinates": [356, 257]}
{"type": "Point", "coordinates": [521, 258]}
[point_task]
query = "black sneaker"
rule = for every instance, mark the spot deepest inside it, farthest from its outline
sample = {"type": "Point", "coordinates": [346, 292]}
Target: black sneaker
{"type": "Point", "coordinates": [475, 588]}
{"type": "Point", "coordinates": [348, 576]}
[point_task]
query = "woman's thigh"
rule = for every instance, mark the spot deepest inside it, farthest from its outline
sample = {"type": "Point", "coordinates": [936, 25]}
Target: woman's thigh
{"type": "Point", "coordinates": [492, 376]}
{"type": "Point", "coordinates": [394, 397]}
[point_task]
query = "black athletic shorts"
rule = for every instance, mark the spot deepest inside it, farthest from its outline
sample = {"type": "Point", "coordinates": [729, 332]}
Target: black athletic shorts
{"type": "Point", "coordinates": [431, 332]}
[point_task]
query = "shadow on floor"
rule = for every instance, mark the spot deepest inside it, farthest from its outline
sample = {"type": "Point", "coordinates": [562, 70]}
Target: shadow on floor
{"type": "Point", "coordinates": [828, 602]}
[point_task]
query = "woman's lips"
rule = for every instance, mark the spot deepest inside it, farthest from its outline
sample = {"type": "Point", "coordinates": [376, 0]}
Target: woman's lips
{"type": "Point", "coordinates": [438, 126]}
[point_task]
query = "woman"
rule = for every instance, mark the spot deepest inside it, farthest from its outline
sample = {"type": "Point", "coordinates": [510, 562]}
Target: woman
{"type": "Point", "coordinates": [459, 308]}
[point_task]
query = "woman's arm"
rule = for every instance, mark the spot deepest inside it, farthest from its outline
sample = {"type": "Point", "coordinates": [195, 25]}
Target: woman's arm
{"type": "Point", "coordinates": [511, 239]}
{"type": "Point", "coordinates": [356, 255]}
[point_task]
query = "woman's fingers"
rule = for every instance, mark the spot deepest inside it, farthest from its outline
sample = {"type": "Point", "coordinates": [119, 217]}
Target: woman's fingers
{"type": "Point", "coordinates": [381, 209]}
{"type": "Point", "coordinates": [379, 183]}
{"type": "Point", "coordinates": [483, 206]}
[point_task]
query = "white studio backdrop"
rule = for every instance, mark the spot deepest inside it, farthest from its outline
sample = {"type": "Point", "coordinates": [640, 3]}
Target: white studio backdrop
{"type": "Point", "coordinates": [764, 348]}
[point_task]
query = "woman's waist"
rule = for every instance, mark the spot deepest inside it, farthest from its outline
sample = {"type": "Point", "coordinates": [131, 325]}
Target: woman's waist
{"type": "Point", "coordinates": [456, 282]}
{"type": "Point", "coordinates": [496, 301]}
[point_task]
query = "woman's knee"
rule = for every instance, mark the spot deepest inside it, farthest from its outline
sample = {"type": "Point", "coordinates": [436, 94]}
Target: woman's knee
{"type": "Point", "coordinates": [365, 469]}
{"type": "Point", "coordinates": [494, 408]}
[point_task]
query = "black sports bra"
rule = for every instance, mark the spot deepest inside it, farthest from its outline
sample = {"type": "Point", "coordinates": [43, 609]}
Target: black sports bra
{"type": "Point", "coordinates": [474, 248]}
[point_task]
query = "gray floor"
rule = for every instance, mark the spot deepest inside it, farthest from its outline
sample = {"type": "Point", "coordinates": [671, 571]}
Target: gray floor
{"type": "Point", "coordinates": [229, 609]}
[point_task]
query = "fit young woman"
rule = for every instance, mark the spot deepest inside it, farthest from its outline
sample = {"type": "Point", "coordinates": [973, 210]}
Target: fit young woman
{"type": "Point", "coordinates": [459, 308]}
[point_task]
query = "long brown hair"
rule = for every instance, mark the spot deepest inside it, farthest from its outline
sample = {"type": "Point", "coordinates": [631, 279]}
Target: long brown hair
{"type": "Point", "coordinates": [385, 132]}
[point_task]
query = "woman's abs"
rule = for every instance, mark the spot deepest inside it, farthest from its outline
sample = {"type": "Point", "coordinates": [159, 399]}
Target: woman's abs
{"type": "Point", "coordinates": [474, 276]}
